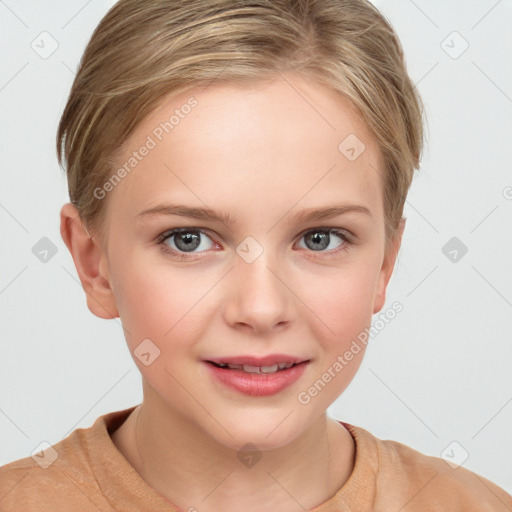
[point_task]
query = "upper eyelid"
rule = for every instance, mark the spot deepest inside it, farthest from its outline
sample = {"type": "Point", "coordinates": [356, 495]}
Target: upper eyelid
{"type": "Point", "coordinates": [327, 228]}
{"type": "Point", "coordinates": [174, 231]}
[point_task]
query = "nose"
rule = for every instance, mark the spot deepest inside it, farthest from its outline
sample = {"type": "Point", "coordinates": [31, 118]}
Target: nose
{"type": "Point", "coordinates": [257, 297]}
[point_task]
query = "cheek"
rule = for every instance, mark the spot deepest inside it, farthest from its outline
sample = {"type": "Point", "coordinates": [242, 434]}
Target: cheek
{"type": "Point", "coordinates": [341, 300]}
{"type": "Point", "coordinates": [160, 301]}
{"type": "Point", "coordinates": [150, 297]}
{"type": "Point", "coordinates": [342, 306]}
{"type": "Point", "coordinates": [158, 305]}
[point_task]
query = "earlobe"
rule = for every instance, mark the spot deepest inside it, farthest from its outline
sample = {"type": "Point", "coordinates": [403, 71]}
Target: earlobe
{"type": "Point", "coordinates": [88, 257]}
{"type": "Point", "coordinates": [387, 268]}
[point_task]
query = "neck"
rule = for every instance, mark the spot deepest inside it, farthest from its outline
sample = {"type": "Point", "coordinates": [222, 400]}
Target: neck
{"type": "Point", "coordinates": [169, 453]}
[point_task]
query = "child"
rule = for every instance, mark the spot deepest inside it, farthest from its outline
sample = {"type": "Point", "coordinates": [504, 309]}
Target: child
{"type": "Point", "coordinates": [237, 173]}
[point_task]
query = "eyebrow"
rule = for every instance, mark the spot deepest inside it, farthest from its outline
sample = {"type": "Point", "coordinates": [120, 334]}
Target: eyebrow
{"type": "Point", "coordinates": [316, 214]}
{"type": "Point", "coordinates": [187, 211]}
{"type": "Point", "coordinates": [207, 214]}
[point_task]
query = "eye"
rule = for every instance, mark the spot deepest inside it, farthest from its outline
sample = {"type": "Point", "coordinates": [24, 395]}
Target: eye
{"type": "Point", "coordinates": [181, 241]}
{"type": "Point", "coordinates": [319, 239]}
{"type": "Point", "coordinates": [189, 242]}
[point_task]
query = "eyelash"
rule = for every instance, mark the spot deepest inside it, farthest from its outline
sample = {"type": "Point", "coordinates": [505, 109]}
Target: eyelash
{"type": "Point", "coordinates": [161, 239]}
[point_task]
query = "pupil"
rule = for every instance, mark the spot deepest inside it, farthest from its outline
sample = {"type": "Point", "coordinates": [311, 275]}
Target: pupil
{"type": "Point", "coordinates": [320, 238]}
{"type": "Point", "coordinates": [187, 241]}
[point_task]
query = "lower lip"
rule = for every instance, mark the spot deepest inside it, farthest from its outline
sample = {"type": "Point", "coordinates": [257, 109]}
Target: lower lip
{"type": "Point", "coordinates": [258, 384]}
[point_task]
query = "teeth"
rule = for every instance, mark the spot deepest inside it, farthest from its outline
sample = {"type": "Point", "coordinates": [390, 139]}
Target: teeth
{"type": "Point", "coordinates": [253, 369]}
{"type": "Point", "coordinates": [269, 369]}
{"type": "Point", "coordinates": [257, 369]}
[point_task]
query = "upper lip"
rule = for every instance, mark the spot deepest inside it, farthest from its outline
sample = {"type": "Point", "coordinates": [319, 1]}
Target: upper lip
{"type": "Point", "coordinates": [269, 360]}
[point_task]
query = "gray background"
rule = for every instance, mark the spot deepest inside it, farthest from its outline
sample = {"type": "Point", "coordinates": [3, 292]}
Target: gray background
{"type": "Point", "coordinates": [439, 373]}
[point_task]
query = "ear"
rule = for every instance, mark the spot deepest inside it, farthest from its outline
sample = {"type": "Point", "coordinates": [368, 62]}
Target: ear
{"type": "Point", "coordinates": [90, 262]}
{"type": "Point", "coordinates": [387, 268]}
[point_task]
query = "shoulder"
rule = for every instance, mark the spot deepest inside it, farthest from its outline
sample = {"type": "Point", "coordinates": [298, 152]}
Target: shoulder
{"type": "Point", "coordinates": [53, 478]}
{"type": "Point", "coordinates": [417, 481]}
{"type": "Point", "coordinates": [57, 478]}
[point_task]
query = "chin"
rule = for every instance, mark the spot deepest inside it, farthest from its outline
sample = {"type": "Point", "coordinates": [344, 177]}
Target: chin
{"type": "Point", "coordinates": [266, 431]}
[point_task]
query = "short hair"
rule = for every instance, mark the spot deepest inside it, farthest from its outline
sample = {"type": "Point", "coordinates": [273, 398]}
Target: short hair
{"type": "Point", "coordinates": [143, 51]}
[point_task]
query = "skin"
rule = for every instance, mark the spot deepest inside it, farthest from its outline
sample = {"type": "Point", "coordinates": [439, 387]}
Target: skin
{"type": "Point", "coordinates": [260, 153]}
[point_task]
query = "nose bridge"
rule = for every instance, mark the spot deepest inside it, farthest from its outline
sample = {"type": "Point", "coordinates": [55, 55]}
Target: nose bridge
{"type": "Point", "coordinates": [259, 298]}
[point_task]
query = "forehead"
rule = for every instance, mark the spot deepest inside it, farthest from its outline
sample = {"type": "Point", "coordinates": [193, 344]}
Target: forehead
{"type": "Point", "coordinates": [275, 141]}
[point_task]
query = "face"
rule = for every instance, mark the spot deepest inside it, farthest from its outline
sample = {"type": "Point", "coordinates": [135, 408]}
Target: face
{"type": "Point", "coordinates": [262, 282]}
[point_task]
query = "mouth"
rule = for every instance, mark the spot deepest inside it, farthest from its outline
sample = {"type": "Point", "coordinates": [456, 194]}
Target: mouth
{"type": "Point", "coordinates": [257, 376]}
{"type": "Point", "coordinates": [255, 369]}
{"type": "Point", "coordinates": [252, 364]}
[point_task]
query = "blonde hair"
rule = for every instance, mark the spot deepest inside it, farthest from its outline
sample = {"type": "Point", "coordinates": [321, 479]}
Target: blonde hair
{"type": "Point", "coordinates": [142, 51]}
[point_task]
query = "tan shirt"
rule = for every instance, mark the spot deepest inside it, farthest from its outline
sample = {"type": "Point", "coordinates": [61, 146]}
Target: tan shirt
{"type": "Point", "coordinates": [91, 474]}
